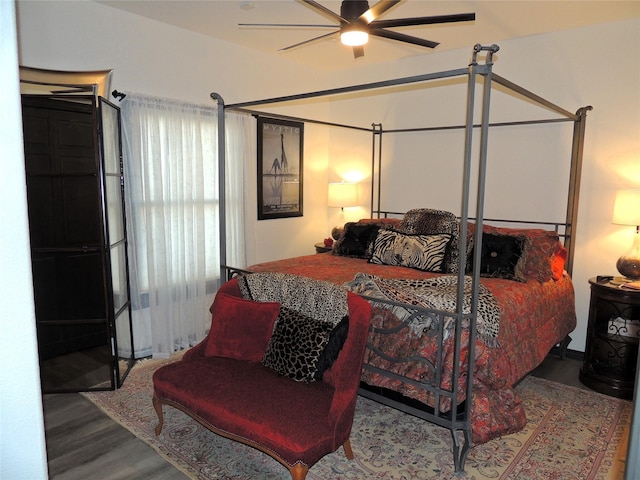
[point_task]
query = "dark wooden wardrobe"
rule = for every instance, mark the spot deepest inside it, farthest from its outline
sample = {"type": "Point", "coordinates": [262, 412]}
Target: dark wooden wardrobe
{"type": "Point", "coordinates": [77, 226]}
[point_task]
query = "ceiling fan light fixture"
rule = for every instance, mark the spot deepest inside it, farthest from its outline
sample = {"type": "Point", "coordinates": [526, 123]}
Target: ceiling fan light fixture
{"type": "Point", "coordinates": [354, 37]}
{"type": "Point", "coordinates": [357, 21]}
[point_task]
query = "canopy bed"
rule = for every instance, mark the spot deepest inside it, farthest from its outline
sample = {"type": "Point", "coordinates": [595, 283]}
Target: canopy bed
{"type": "Point", "coordinates": [452, 331]}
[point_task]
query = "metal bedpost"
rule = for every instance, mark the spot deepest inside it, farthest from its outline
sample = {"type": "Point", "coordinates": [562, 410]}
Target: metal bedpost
{"type": "Point", "coordinates": [577, 149]}
{"type": "Point", "coordinates": [221, 185]}
{"type": "Point", "coordinates": [460, 452]}
{"type": "Point", "coordinates": [376, 129]}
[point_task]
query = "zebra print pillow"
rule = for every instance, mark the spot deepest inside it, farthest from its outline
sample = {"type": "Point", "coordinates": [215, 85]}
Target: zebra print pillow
{"type": "Point", "coordinates": [424, 252]}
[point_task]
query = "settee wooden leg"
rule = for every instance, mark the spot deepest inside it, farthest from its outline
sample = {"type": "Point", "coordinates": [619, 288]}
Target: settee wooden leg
{"type": "Point", "coordinates": [157, 404]}
{"type": "Point", "coordinates": [347, 449]}
{"type": "Point", "coordinates": [298, 471]}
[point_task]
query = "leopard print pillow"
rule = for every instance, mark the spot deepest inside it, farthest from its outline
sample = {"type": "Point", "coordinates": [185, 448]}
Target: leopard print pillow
{"type": "Point", "coordinates": [296, 345]}
{"type": "Point", "coordinates": [314, 298]}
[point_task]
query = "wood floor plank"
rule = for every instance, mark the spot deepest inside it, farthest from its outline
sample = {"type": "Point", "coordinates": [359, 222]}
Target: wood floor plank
{"type": "Point", "coordinates": [84, 443]}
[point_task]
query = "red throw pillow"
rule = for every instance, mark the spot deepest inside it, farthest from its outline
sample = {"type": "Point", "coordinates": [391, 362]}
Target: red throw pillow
{"type": "Point", "coordinates": [240, 328]}
{"type": "Point", "coordinates": [558, 262]}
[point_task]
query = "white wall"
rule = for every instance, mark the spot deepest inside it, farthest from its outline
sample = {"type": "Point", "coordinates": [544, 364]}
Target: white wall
{"type": "Point", "coordinates": [596, 65]}
{"type": "Point", "coordinates": [22, 445]}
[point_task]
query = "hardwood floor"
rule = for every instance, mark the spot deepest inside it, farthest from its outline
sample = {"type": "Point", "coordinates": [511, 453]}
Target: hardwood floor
{"type": "Point", "coordinates": [84, 443]}
{"type": "Point", "coordinates": [561, 371]}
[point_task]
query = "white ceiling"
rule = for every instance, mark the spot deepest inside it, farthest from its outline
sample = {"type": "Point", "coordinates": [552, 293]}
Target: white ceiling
{"type": "Point", "coordinates": [495, 21]}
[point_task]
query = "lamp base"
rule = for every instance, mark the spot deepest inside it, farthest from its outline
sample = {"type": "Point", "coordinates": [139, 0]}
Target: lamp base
{"type": "Point", "coordinates": [629, 267]}
{"type": "Point", "coordinates": [629, 263]}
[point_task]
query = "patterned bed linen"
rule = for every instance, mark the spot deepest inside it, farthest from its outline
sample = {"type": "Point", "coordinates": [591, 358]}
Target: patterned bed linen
{"type": "Point", "coordinates": [534, 317]}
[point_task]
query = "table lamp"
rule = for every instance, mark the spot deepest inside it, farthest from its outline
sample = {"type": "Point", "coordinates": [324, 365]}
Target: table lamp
{"type": "Point", "coordinates": [343, 195]}
{"type": "Point", "coordinates": [626, 211]}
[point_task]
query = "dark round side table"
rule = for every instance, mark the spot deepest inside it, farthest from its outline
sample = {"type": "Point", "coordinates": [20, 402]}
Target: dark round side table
{"type": "Point", "coordinates": [321, 248]}
{"type": "Point", "coordinates": [612, 339]}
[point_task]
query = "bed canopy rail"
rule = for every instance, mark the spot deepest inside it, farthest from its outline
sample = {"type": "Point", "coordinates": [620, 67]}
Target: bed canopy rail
{"type": "Point", "coordinates": [566, 230]}
{"type": "Point", "coordinates": [352, 89]}
{"type": "Point", "coordinates": [459, 421]}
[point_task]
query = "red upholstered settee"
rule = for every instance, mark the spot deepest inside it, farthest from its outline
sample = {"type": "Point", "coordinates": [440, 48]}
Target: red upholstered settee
{"type": "Point", "coordinates": [225, 386]}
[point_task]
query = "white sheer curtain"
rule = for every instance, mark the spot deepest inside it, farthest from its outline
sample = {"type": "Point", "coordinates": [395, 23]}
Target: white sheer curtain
{"type": "Point", "coordinates": [171, 170]}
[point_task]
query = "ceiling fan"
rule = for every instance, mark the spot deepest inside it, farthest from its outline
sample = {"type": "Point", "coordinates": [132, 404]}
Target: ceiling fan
{"type": "Point", "coordinates": [357, 21]}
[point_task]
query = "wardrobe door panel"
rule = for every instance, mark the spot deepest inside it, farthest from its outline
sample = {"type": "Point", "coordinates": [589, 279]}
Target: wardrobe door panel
{"type": "Point", "coordinates": [88, 366]}
{"type": "Point", "coordinates": [75, 142]}
{"type": "Point", "coordinates": [117, 241]}
{"type": "Point", "coordinates": [80, 275]}
{"type": "Point", "coordinates": [53, 340]}
{"type": "Point", "coordinates": [42, 212]}
{"type": "Point", "coordinates": [69, 286]}
{"type": "Point", "coordinates": [114, 209]}
{"type": "Point", "coordinates": [80, 212]}
{"type": "Point", "coordinates": [111, 139]}
{"type": "Point", "coordinates": [37, 143]}
{"type": "Point", "coordinates": [119, 277]}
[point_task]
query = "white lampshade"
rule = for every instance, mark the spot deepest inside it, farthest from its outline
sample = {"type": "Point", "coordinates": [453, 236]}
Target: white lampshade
{"type": "Point", "coordinates": [343, 195]}
{"type": "Point", "coordinates": [626, 209]}
{"type": "Point", "coordinates": [354, 38]}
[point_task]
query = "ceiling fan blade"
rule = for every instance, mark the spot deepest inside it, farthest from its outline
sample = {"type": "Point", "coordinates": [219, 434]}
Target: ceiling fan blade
{"type": "Point", "coordinates": [325, 11]}
{"type": "Point", "coordinates": [358, 52]}
{"type": "Point", "coordinates": [309, 41]}
{"type": "Point", "coordinates": [406, 22]}
{"type": "Point", "coordinates": [378, 9]}
{"type": "Point", "coordinates": [285, 25]}
{"type": "Point", "coordinates": [379, 32]}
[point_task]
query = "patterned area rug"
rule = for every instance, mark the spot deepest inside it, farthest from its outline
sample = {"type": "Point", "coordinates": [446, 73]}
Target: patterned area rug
{"type": "Point", "coordinates": [570, 434]}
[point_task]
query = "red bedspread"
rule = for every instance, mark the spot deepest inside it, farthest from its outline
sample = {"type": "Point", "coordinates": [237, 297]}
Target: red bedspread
{"type": "Point", "coordinates": [534, 317]}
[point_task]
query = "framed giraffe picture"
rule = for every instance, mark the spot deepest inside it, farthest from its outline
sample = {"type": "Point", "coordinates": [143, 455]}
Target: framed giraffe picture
{"type": "Point", "coordinates": [280, 148]}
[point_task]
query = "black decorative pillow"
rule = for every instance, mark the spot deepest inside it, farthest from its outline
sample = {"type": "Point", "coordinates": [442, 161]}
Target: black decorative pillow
{"type": "Point", "coordinates": [296, 345]}
{"type": "Point", "coordinates": [424, 252]}
{"type": "Point", "coordinates": [356, 239]}
{"type": "Point", "coordinates": [502, 256]}
{"type": "Point", "coordinates": [330, 353]}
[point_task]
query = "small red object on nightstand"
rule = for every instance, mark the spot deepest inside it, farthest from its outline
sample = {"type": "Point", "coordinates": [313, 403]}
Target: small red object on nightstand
{"type": "Point", "coordinates": [328, 242]}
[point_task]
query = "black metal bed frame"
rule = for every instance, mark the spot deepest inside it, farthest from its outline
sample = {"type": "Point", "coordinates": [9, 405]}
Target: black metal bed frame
{"type": "Point", "coordinates": [458, 418]}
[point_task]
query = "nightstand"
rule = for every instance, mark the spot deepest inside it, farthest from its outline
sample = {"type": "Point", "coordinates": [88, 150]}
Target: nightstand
{"type": "Point", "coordinates": [321, 248]}
{"type": "Point", "coordinates": [612, 339]}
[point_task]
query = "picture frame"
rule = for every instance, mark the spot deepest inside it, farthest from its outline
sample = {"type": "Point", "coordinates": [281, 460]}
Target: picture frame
{"type": "Point", "coordinates": [280, 168]}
